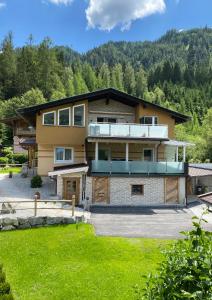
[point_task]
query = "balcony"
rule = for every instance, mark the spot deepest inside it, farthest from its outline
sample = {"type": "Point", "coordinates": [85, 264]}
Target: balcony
{"type": "Point", "coordinates": [121, 130]}
{"type": "Point", "coordinates": [137, 167]}
{"type": "Point", "coordinates": [25, 131]}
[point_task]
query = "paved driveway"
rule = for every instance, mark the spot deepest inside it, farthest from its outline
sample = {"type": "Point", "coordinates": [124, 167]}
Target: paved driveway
{"type": "Point", "coordinates": [153, 223]}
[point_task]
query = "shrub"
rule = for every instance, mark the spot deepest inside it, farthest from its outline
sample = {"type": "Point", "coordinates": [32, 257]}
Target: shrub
{"type": "Point", "coordinates": [5, 291]}
{"type": "Point", "coordinates": [3, 161]}
{"type": "Point", "coordinates": [8, 152]}
{"type": "Point", "coordinates": [36, 182]}
{"type": "Point", "coordinates": [19, 158]}
{"type": "Point", "coordinates": [186, 272]}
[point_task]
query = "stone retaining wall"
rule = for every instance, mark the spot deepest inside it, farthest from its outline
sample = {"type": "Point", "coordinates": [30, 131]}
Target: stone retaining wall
{"type": "Point", "coordinates": [31, 222]}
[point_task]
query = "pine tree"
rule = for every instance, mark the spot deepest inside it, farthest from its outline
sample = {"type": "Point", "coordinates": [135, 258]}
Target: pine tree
{"type": "Point", "coordinates": [7, 68]}
{"type": "Point", "coordinates": [104, 77]}
{"type": "Point", "coordinates": [117, 77]}
{"type": "Point", "coordinates": [141, 83]}
{"type": "Point", "coordinates": [129, 80]}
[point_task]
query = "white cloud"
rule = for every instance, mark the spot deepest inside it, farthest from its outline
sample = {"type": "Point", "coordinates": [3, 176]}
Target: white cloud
{"type": "Point", "coordinates": [58, 2]}
{"type": "Point", "coordinates": [107, 14]}
{"type": "Point", "coordinates": [2, 4]}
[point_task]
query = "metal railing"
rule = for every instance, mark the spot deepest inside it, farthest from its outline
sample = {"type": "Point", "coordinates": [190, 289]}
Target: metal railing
{"type": "Point", "coordinates": [127, 130]}
{"type": "Point", "coordinates": [137, 167]}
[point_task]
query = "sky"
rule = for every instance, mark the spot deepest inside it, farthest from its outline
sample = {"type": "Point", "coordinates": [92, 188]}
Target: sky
{"type": "Point", "coordinates": [85, 24]}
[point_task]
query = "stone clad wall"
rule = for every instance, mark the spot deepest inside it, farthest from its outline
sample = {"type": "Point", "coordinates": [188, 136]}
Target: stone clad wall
{"type": "Point", "coordinates": [31, 222]}
{"type": "Point", "coordinates": [154, 193]}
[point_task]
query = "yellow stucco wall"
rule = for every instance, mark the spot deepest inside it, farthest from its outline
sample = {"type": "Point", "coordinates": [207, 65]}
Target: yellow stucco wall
{"type": "Point", "coordinates": [164, 118]}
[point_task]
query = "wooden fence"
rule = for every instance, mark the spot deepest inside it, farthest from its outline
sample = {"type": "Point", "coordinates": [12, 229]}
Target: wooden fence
{"type": "Point", "coordinates": [35, 202]}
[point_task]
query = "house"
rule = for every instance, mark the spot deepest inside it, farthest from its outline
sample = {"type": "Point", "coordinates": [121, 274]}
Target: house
{"type": "Point", "coordinates": [107, 147]}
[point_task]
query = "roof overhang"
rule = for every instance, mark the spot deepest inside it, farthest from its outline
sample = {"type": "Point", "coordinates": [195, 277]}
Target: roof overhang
{"type": "Point", "coordinates": [125, 140]}
{"type": "Point", "coordinates": [109, 93]}
{"type": "Point", "coordinates": [68, 171]}
{"type": "Point", "coordinates": [198, 172]}
{"type": "Point", "coordinates": [178, 143]}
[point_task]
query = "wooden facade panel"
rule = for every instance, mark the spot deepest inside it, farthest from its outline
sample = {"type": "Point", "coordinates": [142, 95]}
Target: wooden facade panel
{"type": "Point", "coordinates": [172, 190]}
{"type": "Point", "coordinates": [101, 193]}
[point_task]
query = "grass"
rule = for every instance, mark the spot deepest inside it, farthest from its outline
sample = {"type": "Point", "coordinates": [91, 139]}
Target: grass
{"type": "Point", "coordinates": [15, 170]}
{"type": "Point", "coordinates": [66, 262]}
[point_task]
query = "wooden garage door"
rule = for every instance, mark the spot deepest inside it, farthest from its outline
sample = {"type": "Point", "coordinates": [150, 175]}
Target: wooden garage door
{"type": "Point", "coordinates": [172, 190]}
{"type": "Point", "coordinates": [101, 190]}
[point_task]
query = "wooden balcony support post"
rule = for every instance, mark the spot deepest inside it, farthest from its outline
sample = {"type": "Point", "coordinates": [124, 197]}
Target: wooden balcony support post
{"type": "Point", "coordinates": [96, 151]}
{"type": "Point", "coordinates": [177, 154]}
{"type": "Point", "coordinates": [184, 153]}
{"type": "Point", "coordinates": [127, 152]}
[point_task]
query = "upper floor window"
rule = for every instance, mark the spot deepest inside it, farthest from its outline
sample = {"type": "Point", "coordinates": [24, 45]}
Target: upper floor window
{"type": "Point", "coordinates": [106, 120]}
{"type": "Point", "coordinates": [149, 120]}
{"type": "Point", "coordinates": [64, 117]}
{"type": "Point", "coordinates": [79, 115]}
{"type": "Point", "coordinates": [63, 155]}
{"type": "Point", "coordinates": [49, 118]}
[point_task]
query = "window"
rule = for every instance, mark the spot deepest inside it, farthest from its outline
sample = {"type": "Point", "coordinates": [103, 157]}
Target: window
{"type": "Point", "coordinates": [49, 118]}
{"type": "Point", "coordinates": [79, 115]}
{"type": "Point", "coordinates": [148, 155]}
{"type": "Point", "coordinates": [63, 155]}
{"type": "Point", "coordinates": [64, 117]}
{"type": "Point", "coordinates": [106, 120]}
{"type": "Point", "coordinates": [149, 120]}
{"type": "Point", "coordinates": [137, 189]}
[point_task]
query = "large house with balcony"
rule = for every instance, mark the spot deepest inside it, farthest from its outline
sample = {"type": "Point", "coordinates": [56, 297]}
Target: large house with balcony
{"type": "Point", "coordinates": [107, 147]}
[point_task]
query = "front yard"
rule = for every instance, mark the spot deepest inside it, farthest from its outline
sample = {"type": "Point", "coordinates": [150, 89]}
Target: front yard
{"type": "Point", "coordinates": [67, 262]}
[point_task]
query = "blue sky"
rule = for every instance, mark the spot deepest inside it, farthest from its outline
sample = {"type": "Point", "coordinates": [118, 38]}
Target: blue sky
{"type": "Point", "coordinates": [84, 24]}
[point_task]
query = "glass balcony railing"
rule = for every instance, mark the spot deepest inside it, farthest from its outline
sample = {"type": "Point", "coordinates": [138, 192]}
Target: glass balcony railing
{"type": "Point", "coordinates": [137, 167]}
{"type": "Point", "coordinates": [127, 130]}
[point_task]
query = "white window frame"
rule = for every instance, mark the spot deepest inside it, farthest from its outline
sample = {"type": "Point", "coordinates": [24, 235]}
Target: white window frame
{"type": "Point", "coordinates": [153, 120]}
{"type": "Point", "coordinates": [153, 153]}
{"type": "Point", "coordinates": [50, 112]}
{"type": "Point", "coordinates": [63, 161]}
{"type": "Point", "coordinates": [58, 116]}
{"type": "Point", "coordinates": [83, 115]}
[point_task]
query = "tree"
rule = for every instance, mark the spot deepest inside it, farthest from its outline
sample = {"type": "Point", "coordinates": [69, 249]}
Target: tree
{"type": "Point", "coordinates": [141, 83]}
{"type": "Point", "coordinates": [89, 77]}
{"type": "Point", "coordinates": [117, 77]}
{"type": "Point", "coordinates": [104, 76]}
{"type": "Point", "coordinates": [7, 68]}
{"type": "Point", "coordinates": [129, 79]}
{"type": "Point", "coordinates": [27, 68]}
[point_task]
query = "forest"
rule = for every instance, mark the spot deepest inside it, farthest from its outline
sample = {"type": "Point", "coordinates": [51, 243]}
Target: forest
{"type": "Point", "coordinates": [174, 71]}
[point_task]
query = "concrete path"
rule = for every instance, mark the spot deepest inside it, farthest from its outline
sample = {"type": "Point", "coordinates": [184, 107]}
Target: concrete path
{"type": "Point", "coordinates": [155, 223]}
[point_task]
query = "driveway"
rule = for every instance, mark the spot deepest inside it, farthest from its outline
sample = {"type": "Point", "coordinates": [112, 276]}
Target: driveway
{"type": "Point", "coordinates": [151, 223]}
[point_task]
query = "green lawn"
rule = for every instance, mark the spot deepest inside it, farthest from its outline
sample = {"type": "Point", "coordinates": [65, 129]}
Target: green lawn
{"type": "Point", "coordinates": [15, 170]}
{"type": "Point", "coordinates": [66, 263]}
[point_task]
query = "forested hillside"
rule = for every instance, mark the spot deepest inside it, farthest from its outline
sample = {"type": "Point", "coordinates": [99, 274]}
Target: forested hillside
{"type": "Point", "coordinates": [174, 71]}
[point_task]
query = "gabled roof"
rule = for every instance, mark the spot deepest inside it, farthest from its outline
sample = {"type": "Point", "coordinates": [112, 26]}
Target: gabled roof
{"type": "Point", "coordinates": [109, 93]}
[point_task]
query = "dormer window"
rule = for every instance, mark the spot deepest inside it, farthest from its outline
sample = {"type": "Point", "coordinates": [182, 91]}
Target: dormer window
{"type": "Point", "coordinates": [49, 118]}
{"type": "Point", "coordinates": [149, 120]}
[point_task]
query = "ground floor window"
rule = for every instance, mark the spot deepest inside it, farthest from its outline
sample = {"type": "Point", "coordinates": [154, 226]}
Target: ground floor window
{"type": "Point", "coordinates": [63, 155]}
{"type": "Point", "coordinates": [137, 189]}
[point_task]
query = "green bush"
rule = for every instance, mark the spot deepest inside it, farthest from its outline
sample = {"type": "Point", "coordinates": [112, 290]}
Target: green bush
{"type": "Point", "coordinates": [19, 158]}
{"type": "Point", "coordinates": [36, 182]}
{"type": "Point", "coordinates": [5, 291]}
{"type": "Point", "coordinates": [8, 153]}
{"type": "Point", "coordinates": [186, 272]}
{"type": "Point", "coordinates": [3, 161]}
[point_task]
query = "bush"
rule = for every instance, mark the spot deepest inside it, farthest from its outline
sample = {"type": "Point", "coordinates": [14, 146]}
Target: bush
{"type": "Point", "coordinates": [186, 272]}
{"type": "Point", "coordinates": [19, 158]}
{"type": "Point", "coordinates": [5, 291]}
{"type": "Point", "coordinates": [3, 161]}
{"type": "Point", "coordinates": [36, 182]}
